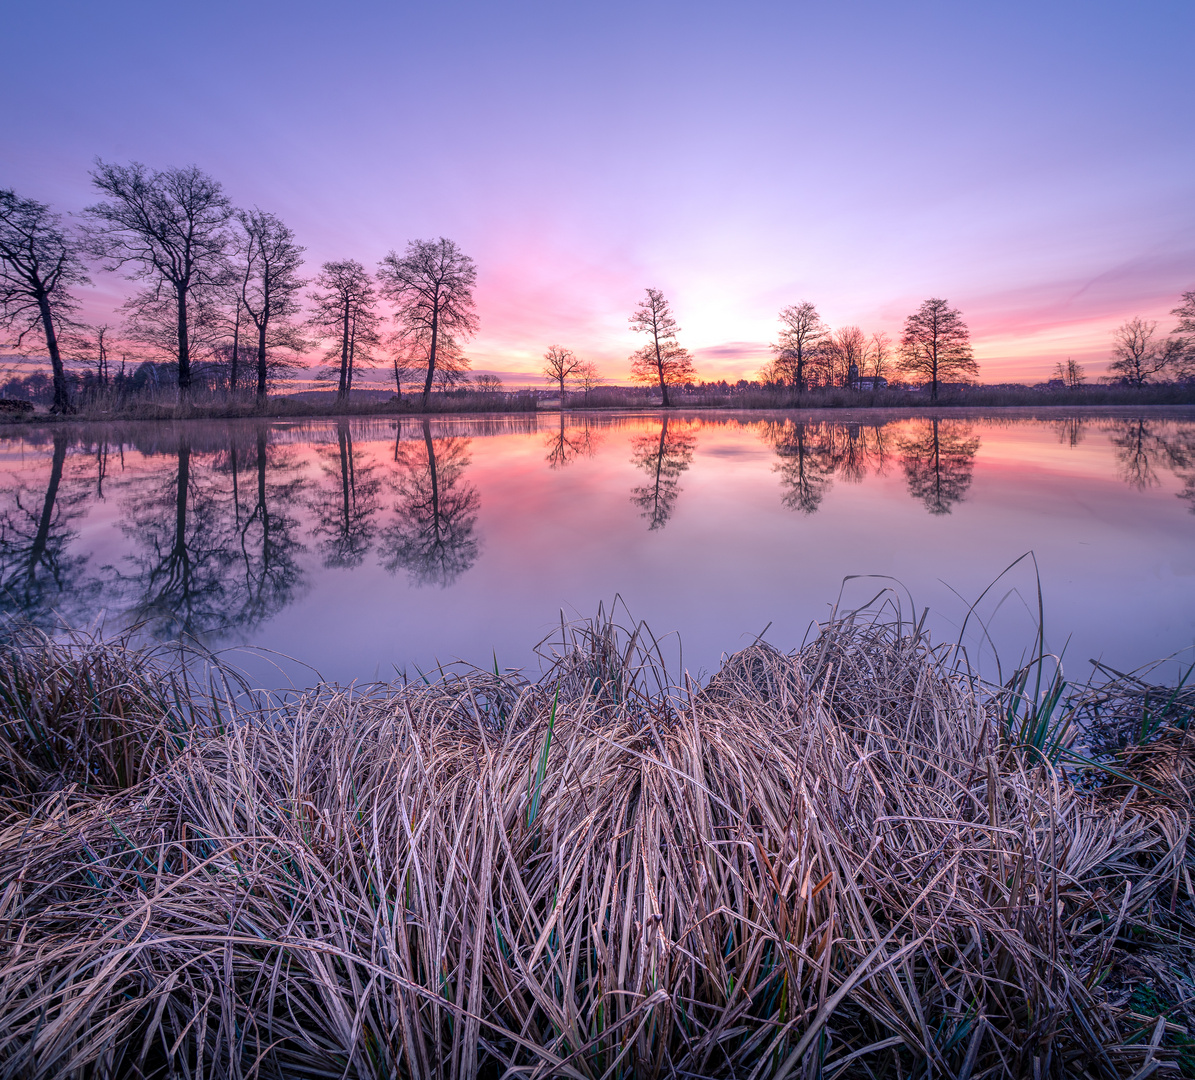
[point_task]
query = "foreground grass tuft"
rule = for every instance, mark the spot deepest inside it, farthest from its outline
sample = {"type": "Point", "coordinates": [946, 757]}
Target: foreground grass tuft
{"type": "Point", "coordinates": [830, 864]}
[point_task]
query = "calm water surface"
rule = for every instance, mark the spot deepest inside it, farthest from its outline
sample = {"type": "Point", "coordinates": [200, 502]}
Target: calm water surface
{"type": "Point", "coordinates": [362, 547]}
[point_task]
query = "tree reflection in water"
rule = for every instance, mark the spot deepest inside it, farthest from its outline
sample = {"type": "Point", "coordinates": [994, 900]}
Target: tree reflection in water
{"type": "Point", "coordinates": [42, 581]}
{"type": "Point", "coordinates": [433, 537]}
{"type": "Point", "coordinates": [664, 458]}
{"type": "Point", "coordinates": [1143, 446]}
{"type": "Point", "coordinates": [569, 443]}
{"type": "Point", "coordinates": [207, 558]}
{"type": "Point", "coordinates": [812, 454]}
{"type": "Point", "coordinates": [939, 461]}
{"type": "Point", "coordinates": [346, 506]}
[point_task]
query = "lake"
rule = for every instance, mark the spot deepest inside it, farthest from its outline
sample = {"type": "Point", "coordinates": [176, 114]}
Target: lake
{"type": "Point", "coordinates": [366, 547]}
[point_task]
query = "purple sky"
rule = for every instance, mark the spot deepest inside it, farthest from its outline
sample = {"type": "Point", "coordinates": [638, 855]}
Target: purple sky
{"type": "Point", "coordinates": [1033, 163]}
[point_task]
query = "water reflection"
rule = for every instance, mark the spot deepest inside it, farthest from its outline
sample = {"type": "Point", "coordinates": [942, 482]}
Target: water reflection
{"type": "Point", "coordinates": [346, 504]}
{"type": "Point", "coordinates": [206, 555]}
{"type": "Point", "coordinates": [1143, 448]}
{"type": "Point", "coordinates": [41, 578]}
{"type": "Point", "coordinates": [812, 454]}
{"type": "Point", "coordinates": [938, 458]}
{"type": "Point", "coordinates": [213, 529]}
{"type": "Point", "coordinates": [433, 535]}
{"type": "Point", "coordinates": [664, 457]}
{"type": "Point", "coordinates": [570, 441]}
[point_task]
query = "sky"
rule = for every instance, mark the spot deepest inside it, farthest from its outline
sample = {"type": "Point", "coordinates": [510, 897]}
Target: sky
{"type": "Point", "coordinates": [1033, 163]}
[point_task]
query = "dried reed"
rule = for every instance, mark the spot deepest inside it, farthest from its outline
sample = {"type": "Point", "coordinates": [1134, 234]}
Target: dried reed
{"type": "Point", "coordinates": [829, 864]}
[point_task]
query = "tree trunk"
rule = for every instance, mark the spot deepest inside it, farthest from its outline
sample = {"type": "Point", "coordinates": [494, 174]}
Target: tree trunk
{"type": "Point", "coordinates": [261, 360]}
{"type": "Point", "coordinates": [660, 370]}
{"type": "Point", "coordinates": [431, 356]}
{"type": "Point", "coordinates": [62, 402]}
{"type": "Point", "coordinates": [263, 327]}
{"type": "Point", "coordinates": [342, 391]}
{"type": "Point", "coordinates": [184, 345]}
{"type": "Point", "coordinates": [236, 350]}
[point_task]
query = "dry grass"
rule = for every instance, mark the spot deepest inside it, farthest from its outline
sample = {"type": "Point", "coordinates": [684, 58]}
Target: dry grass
{"type": "Point", "coordinates": [819, 865]}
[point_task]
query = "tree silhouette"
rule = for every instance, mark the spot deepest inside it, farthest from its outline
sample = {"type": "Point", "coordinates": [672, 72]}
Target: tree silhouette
{"type": "Point", "coordinates": [431, 287]}
{"type": "Point", "coordinates": [346, 507]}
{"type": "Point", "coordinates": [41, 581]}
{"type": "Point", "coordinates": [939, 460]}
{"type": "Point", "coordinates": [39, 263]}
{"type": "Point", "coordinates": [433, 537]}
{"type": "Point", "coordinates": [936, 345]}
{"type": "Point", "coordinates": [664, 458]}
{"type": "Point", "coordinates": [344, 303]}
{"type": "Point", "coordinates": [801, 328]}
{"type": "Point", "coordinates": [171, 227]}
{"type": "Point", "coordinates": [661, 360]}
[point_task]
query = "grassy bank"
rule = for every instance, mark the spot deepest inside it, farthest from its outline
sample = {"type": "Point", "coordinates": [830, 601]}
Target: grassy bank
{"type": "Point", "coordinates": [204, 404]}
{"type": "Point", "coordinates": [842, 862]}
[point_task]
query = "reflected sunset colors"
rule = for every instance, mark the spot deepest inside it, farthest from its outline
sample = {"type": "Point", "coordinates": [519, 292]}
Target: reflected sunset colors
{"type": "Point", "coordinates": [365, 547]}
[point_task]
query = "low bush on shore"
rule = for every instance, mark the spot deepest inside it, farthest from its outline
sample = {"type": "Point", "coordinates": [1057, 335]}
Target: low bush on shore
{"type": "Point", "coordinates": [844, 862]}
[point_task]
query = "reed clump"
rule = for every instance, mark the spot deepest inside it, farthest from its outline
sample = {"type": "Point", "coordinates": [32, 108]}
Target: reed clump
{"type": "Point", "coordinates": [832, 863]}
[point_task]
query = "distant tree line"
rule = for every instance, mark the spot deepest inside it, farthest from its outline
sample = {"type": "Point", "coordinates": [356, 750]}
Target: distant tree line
{"type": "Point", "coordinates": [222, 303]}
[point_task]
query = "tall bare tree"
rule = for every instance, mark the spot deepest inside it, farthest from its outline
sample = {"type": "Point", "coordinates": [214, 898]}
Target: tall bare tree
{"type": "Point", "coordinates": [344, 311]}
{"type": "Point", "coordinates": [877, 357]}
{"type": "Point", "coordinates": [936, 345]}
{"type": "Point", "coordinates": [171, 227]}
{"type": "Point", "coordinates": [270, 285]}
{"type": "Point", "coordinates": [801, 329]}
{"type": "Point", "coordinates": [431, 286]}
{"type": "Point", "coordinates": [661, 360]}
{"type": "Point", "coordinates": [560, 364]}
{"type": "Point", "coordinates": [1139, 356]}
{"type": "Point", "coordinates": [39, 263]}
{"type": "Point", "coordinates": [1182, 358]}
{"type": "Point", "coordinates": [587, 377]}
{"type": "Point", "coordinates": [847, 349]}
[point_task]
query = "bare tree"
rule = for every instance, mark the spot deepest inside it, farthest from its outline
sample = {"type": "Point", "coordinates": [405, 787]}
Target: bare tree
{"type": "Point", "coordinates": [1138, 355]}
{"type": "Point", "coordinates": [488, 384]}
{"type": "Point", "coordinates": [801, 328]}
{"type": "Point", "coordinates": [344, 311]}
{"type": "Point", "coordinates": [587, 377]}
{"type": "Point", "coordinates": [1071, 372]}
{"type": "Point", "coordinates": [1182, 359]}
{"type": "Point", "coordinates": [39, 263]}
{"type": "Point", "coordinates": [270, 286]}
{"type": "Point", "coordinates": [845, 352]}
{"type": "Point", "coordinates": [431, 286]}
{"type": "Point", "coordinates": [171, 227]}
{"type": "Point", "coordinates": [936, 345]}
{"type": "Point", "coordinates": [661, 360]}
{"type": "Point", "coordinates": [877, 357]}
{"type": "Point", "coordinates": [560, 364]}
{"type": "Point", "coordinates": [90, 346]}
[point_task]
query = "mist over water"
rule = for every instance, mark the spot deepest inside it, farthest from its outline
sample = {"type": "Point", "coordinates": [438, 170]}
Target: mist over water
{"type": "Point", "coordinates": [362, 548]}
